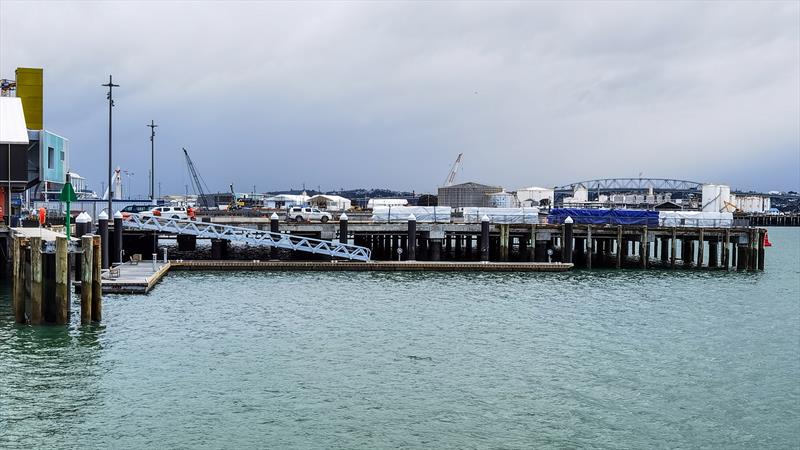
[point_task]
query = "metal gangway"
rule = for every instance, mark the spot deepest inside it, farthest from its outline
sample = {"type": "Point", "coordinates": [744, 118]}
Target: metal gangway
{"type": "Point", "coordinates": [248, 236]}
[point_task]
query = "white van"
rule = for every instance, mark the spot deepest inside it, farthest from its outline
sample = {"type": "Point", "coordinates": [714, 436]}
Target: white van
{"type": "Point", "coordinates": [168, 212]}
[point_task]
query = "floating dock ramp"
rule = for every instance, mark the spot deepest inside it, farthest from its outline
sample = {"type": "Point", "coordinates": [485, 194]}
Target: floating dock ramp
{"type": "Point", "coordinates": [248, 236]}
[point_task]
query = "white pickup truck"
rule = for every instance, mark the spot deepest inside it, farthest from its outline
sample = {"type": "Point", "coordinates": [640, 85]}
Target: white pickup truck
{"type": "Point", "coordinates": [306, 214]}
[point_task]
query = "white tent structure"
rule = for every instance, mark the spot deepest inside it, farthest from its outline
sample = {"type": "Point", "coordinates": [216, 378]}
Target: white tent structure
{"type": "Point", "coordinates": [285, 201]}
{"type": "Point", "coordinates": [330, 202]}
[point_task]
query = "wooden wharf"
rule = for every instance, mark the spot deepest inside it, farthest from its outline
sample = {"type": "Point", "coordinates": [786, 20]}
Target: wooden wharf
{"type": "Point", "coordinates": [774, 220]}
{"type": "Point", "coordinates": [589, 246]}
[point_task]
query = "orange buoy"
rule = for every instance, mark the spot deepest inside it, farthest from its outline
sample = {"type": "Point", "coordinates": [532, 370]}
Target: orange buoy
{"type": "Point", "coordinates": [767, 243]}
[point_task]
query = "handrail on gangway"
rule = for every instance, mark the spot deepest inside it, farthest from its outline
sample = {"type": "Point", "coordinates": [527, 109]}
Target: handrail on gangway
{"type": "Point", "coordinates": [248, 236]}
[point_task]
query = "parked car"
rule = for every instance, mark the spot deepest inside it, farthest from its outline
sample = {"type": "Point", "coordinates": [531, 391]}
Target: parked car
{"type": "Point", "coordinates": [307, 214]}
{"type": "Point", "coordinates": [168, 212]}
{"type": "Point", "coordinates": [134, 209]}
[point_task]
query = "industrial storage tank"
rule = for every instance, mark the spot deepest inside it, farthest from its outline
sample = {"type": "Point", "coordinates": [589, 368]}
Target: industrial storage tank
{"type": "Point", "coordinates": [534, 196]}
{"type": "Point", "coordinates": [466, 194]}
{"type": "Point", "coordinates": [503, 200]}
{"type": "Point", "coordinates": [715, 197]}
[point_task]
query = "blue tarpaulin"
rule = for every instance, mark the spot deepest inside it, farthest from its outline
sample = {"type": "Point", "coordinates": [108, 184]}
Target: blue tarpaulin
{"type": "Point", "coordinates": [605, 216]}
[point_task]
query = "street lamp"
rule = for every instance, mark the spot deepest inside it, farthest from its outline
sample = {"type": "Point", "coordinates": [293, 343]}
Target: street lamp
{"type": "Point", "coordinates": [152, 162]}
{"type": "Point", "coordinates": [110, 97]}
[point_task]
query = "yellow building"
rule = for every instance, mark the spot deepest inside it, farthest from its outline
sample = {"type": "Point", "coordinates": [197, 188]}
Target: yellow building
{"type": "Point", "coordinates": [30, 89]}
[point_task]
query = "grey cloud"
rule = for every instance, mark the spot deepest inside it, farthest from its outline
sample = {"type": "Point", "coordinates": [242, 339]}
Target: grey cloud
{"type": "Point", "coordinates": [386, 94]}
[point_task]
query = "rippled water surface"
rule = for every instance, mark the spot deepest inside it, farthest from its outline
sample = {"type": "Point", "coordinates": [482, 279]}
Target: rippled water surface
{"type": "Point", "coordinates": [617, 359]}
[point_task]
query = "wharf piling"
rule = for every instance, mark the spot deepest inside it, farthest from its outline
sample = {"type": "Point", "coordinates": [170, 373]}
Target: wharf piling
{"type": "Point", "coordinates": [41, 275]}
{"type": "Point", "coordinates": [102, 229]}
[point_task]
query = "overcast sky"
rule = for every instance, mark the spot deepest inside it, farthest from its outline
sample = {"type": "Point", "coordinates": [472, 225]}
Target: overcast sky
{"type": "Point", "coordinates": [387, 94]}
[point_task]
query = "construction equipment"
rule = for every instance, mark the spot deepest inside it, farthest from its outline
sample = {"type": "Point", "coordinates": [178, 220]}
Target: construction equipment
{"type": "Point", "coordinates": [197, 183]}
{"type": "Point", "coordinates": [236, 203]}
{"type": "Point", "coordinates": [451, 177]}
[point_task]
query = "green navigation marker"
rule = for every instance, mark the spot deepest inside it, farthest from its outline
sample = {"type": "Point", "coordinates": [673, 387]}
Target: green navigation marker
{"type": "Point", "coordinates": [67, 196]}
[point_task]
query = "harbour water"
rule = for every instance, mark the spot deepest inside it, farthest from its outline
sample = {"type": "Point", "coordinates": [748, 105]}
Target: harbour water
{"type": "Point", "coordinates": [612, 359]}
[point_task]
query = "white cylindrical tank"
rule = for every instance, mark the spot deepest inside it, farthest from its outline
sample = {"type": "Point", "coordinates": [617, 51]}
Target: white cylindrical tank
{"type": "Point", "coordinates": [502, 200]}
{"type": "Point", "coordinates": [710, 199]}
{"type": "Point", "coordinates": [724, 197]}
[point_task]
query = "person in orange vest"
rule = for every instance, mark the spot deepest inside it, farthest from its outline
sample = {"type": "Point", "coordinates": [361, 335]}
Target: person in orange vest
{"type": "Point", "coordinates": [191, 213]}
{"type": "Point", "coordinates": [42, 216]}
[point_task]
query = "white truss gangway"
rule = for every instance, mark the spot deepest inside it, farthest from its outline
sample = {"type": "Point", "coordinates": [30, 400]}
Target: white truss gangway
{"type": "Point", "coordinates": [248, 236]}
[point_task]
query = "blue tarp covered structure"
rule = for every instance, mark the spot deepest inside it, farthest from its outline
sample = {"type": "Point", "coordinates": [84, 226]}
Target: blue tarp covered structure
{"type": "Point", "coordinates": [604, 216]}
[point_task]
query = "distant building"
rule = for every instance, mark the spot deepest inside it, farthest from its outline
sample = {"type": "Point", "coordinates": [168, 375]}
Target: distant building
{"type": "Point", "coordinates": [466, 195]}
{"type": "Point", "coordinates": [330, 202]}
{"type": "Point", "coordinates": [536, 196]}
{"type": "Point", "coordinates": [286, 200]}
{"type": "Point", "coordinates": [31, 158]}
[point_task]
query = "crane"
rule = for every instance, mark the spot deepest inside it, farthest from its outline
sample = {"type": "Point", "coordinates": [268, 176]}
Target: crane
{"type": "Point", "coordinates": [197, 182]}
{"type": "Point", "coordinates": [453, 171]}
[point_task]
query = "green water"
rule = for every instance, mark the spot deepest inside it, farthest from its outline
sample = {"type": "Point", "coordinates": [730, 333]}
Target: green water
{"type": "Point", "coordinates": [612, 359]}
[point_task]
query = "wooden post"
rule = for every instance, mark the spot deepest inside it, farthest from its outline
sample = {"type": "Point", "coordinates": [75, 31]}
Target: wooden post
{"type": "Point", "coordinates": [97, 287]}
{"type": "Point", "coordinates": [589, 247]}
{"type": "Point", "coordinates": [688, 251]}
{"type": "Point", "coordinates": [619, 246]}
{"type": "Point", "coordinates": [36, 280]}
{"type": "Point", "coordinates": [485, 238]}
{"type": "Point", "coordinates": [643, 245]}
{"type": "Point", "coordinates": [87, 267]}
{"type": "Point", "coordinates": [761, 253]}
{"type": "Point", "coordinates": [713, 252]}
{"type": "Point", "coordinates": [503, 242]}
{"type": "Point", "coordinates": [673, 248]}
{"type": "Point", "coordinates": [700, 250]}
{"type": "Point", "coordinates": [62, 275]}
{"type": "Point", "coordinates": [18, 302]}
{"type": "Point", "coordinates": [741, 257]}
{"type": "Point", "coordinates": [726, 250]}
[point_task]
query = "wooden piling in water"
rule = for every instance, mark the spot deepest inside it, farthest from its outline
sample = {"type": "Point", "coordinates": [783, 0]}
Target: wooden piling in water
{"type": "Point", "coordinates": [713, 252]}
{"type": "Point", "coordinates": [589, 247]}
{"type": "Point", "coordinates": [97, 287]}
{"type": "Point", "coordinates": [36, 280]}
{"type": "Point", "coordinates": [62, 276]}
{"type": "Point", "coordinates": [761, 253]}
{"type": "Point", "coordinates": [619, 246]}
{"type": "Point", "coordinates": [87, 267]}
{"type": "Point", "coordinates": [643, 248]}
{"type": "Point", "coordinates": [700, 249]}
{"type": "Point", "coordinates": [673, 248]}
{"type": "Point", "coordinates": [18, 270]}
{"type": "Point", "coordinates": [741, 257]}
{"type": "Point", "coordinates": [726, 250]}
{"type": "Point", "coordinates": [751, 251]}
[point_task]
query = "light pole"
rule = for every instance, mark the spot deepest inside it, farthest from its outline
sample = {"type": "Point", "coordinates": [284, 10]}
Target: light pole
{"type": "Point", "coordinates": [110, 97]}
{"type": "Point", "coordinates": [152, 162]}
